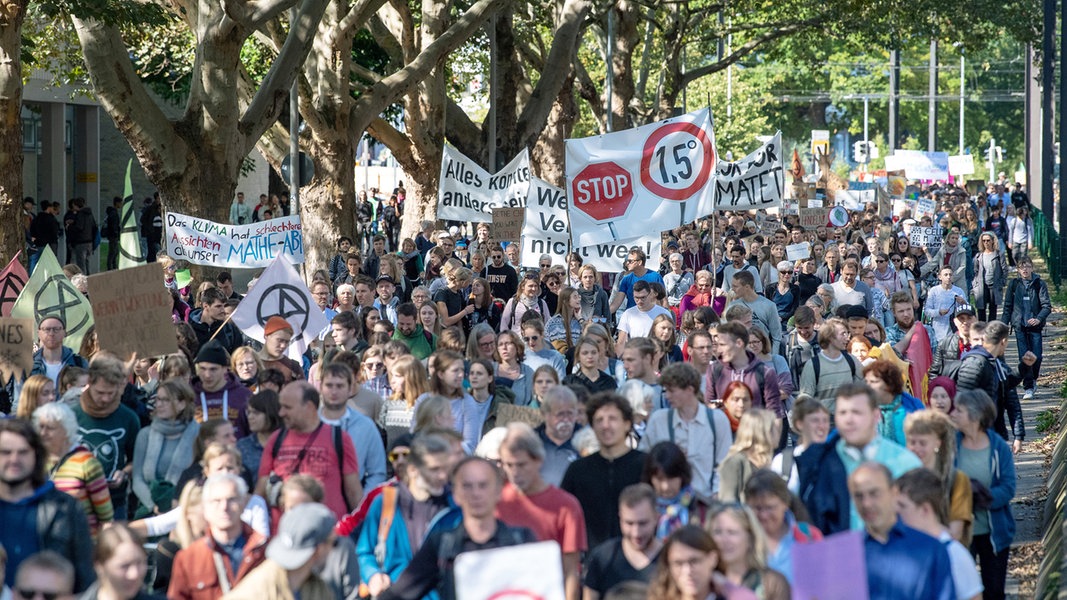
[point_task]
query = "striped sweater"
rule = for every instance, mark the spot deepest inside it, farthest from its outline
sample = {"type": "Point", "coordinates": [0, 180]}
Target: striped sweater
{"type": "Point", "coordinates": [81, 476]}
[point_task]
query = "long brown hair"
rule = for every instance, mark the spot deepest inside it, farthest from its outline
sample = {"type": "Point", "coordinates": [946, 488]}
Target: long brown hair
{"type": "Point", "coordinates": [663, 586]}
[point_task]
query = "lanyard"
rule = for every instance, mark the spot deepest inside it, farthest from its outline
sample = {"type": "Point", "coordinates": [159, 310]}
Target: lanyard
{"type": "Point", "coordinates": [225, 404]}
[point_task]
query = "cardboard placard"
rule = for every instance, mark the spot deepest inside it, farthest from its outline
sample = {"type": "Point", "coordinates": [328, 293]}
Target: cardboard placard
{"type": "Point", "coordinates": [133, 311]}
{"type": "Point", "coordinates": [510, 413]}
{"type": "Point", "coordinates": [507, 223]}
{"type": "Point", "coordinates": [811, 218]}
{"type": "Point", "coordinates": [16, 348]}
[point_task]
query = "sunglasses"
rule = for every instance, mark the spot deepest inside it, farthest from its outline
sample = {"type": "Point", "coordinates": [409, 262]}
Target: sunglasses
{"type": "Point", "coordinates": [374, 365]}
{"type": "Point", "coordinates": [30, 594]}
{"type": "Point", "coordinates": [396, 454]}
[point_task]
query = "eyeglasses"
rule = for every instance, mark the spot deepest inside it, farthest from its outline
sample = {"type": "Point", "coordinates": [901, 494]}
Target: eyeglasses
{"type": "Point", "coordinates": [30, 594]}
{"type": "Point", "coordinates": [374, 365]}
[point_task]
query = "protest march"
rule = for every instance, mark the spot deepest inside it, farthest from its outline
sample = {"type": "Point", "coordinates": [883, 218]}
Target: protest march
{"type": "Point", "coordinates": [670, 374]}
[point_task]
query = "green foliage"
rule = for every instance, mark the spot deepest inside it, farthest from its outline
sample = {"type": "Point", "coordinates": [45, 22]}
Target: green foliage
{"type": "Point", "coordinates": [163, 56]}
{"type": "Point", "coordinates": [736, 129]}
{"type": "Point", "coordinates": [1047, 420]}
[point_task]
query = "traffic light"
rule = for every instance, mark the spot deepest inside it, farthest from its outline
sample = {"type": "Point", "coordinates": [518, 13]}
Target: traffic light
{"type": "Point", "coordinates": [861, 152]}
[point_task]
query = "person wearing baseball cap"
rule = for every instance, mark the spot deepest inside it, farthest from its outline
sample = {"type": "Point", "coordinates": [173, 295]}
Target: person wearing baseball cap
{"type": "Point", "coordinates": [277, 333]}
{"type": "Point", "coordinates": [386, 302]}
{"type": "Point", "coordinates": [299, 549]}
{"type": "Point", "coordinates": [218, 392]}
{"type": "Point", "coordinates": [948, 352]}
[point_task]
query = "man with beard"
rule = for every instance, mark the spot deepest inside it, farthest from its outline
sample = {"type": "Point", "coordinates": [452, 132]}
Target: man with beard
{"type": "Point", "coordinates": [529, 501]}
{"type": "Point", "coordinates": [631, 557]}
{"type": "Point", "coordinates": [414, 501]}
{"type": "Point", "coordinates": [560, 410]}
{"type": "Point", "coordinates": [900, 333]}
{"type": "Point", "coordinates": [108, 427]}
{"type": "Point", "coordinates": [37, 516]}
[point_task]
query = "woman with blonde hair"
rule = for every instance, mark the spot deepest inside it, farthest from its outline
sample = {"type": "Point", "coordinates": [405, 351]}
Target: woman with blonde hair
{"type": "Point", "coordinates": [247, 366]}
{"type": "Point", "coordinates": [432, 412]}
{"type": "Point", "coordinates": [743, 552]}
{"type": "Point", "coordinates": [527, 299]}
{"type": "Point", "coordinates": [753, 448]}
{"type": "Point", "coordinates": [408, 379]}
{"type": "Point", "coordinates": [191, 526]}
{"type": "Point", "coordinates": [37, 391]}
{"type": "Point", "coordinates": [932, 437]}
{"type": "Point", "coordinates": [608, 362]}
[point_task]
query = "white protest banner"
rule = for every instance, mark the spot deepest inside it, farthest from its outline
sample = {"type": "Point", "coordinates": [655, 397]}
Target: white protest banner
{"type": "Point", "coordinates": [810, 218]}
{"type": "Point", "coordinates": [546, 230]}
{"type": "Point", "coordinates": [755, 181]}
{"type": "Point", "coordinates": [467, 192]}
{"type": "Point", "coordinates": [918, 164]}
{"type": "Point", "coordinates": [609, 257]}
{"type": "Point", "coordinates": [797, 252]}
{"type": "Point", "coordinates": [854, 199]}
{"type": "Point", "coordinates": [649, 179]}
{"type": "Point", "coordinates": [926, 237]}
{"type": "Point", "coordinates": [505, 573]}
{"type": "Point", "coordinates": [961, 165]}
{"type": "Point", "coordinates": [280, 291]}
{"type": "Point", "coordinates": [203, 242]}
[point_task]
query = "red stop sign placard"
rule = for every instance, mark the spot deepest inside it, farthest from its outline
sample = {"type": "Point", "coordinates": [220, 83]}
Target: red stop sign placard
{"type": "Point", "coordinates": [602, 190]}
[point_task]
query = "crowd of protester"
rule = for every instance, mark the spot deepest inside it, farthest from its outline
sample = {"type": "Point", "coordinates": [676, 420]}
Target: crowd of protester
{"type": "Point", "coordinates": [679, 434]}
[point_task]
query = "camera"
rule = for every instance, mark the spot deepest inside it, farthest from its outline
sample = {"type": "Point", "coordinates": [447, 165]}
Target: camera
{"type": "Point", "coordinates": [274, 490]}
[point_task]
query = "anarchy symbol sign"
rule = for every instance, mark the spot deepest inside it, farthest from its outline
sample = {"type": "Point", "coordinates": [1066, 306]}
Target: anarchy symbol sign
{"type": "Point", "coordinates": [10, 287]}
{"type": "Point", "coordinates": [59, 298]}
{"type": "Point", "coordinates": [287, 301]}
{"type": "Point", "coordinates": [129, 224]}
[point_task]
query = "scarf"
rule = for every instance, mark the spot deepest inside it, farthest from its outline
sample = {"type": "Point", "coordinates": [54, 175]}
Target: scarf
{"type": "Point", "coordinates": [588, 301]}
{"type": "Point", "coordinates": [674, 512]}
{"type": "Point", "coordinates": [699, 298]}
{"type": "Point", "coordinates": [886, 427]}
{"type": "Point", "coordinates": [168, 428]}
{"type": "Point", "coordinates": [888, 278]}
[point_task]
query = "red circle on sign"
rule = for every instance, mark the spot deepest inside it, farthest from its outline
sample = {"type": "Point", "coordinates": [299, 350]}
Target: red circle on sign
{"type": "Point", "coordinates": [702, 175]}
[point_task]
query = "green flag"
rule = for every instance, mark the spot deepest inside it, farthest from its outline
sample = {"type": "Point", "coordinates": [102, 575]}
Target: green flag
{"type": "Point", "coordinates": [49, 293]}
{"type": "Point", "coordinates": [130, 252]}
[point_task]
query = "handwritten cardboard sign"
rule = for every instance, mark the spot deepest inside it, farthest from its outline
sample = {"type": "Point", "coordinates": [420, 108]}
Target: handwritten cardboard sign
{"type": "Point", "coordinates": [16, 348]}
{"type": "Point", "coordinates": [507, 223]}
{"type": "Point", "coordinates": [133, 311]}
{"type": "Point", "coordinates": [510, 413]}
{"type": "Point", "coordinates": [810, 218]}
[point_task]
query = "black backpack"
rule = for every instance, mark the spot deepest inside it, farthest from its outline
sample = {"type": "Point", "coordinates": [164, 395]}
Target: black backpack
{"type": "Point", "coordinates": [338, 447]}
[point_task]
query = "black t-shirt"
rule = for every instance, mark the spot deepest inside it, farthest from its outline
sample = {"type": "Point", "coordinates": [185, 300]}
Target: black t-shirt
{"type": "Point", "coordinates": [597, 482]}
{"type": "Point", "coordinates": [606, 567]}
{"type": "Point", "coordinates": [455, 302]}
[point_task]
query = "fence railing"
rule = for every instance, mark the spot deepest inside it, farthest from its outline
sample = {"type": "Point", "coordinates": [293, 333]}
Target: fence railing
{"type": "Point", "coordinates": [1047, 241]}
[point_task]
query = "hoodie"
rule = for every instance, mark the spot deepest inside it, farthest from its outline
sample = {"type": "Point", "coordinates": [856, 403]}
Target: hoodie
{"type": "Point", "coordinates": [232, 400]}
{"type": "Point", "coordinates": [421, 344]}
{"type": "Point", "coordinates": [760, 377]}
{"type": "Point", "coordinates": [230, 336]}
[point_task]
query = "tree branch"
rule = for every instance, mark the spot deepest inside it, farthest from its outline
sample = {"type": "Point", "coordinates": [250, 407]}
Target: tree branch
{"type": "Point", "coordinates": [563, 51]}
{"type": "Point", "coordinates": [394, 139]}
{"type": "Point", "coordinates": [389, 89]}
{"type": "Point", "coordinates": [360, 12]}
{"type": "Point", "coordinates": [274, 89]}
{"type": "Point", "coordinates": [124, 97]}
{"type": "Point", "coordinates": [465, 134]}
{"type": "Point", "coordinates": [260, 11]}
{"type": "Point", "coordinates": [742, 51]}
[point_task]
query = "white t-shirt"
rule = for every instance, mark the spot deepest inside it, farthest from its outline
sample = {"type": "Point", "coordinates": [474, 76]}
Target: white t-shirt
{"type": "Point", "coordinates": [964, 572]}
{"type": "Point", "coordinates": [637, 323]}
{"type": "Point", "coordinates": [52, 370]}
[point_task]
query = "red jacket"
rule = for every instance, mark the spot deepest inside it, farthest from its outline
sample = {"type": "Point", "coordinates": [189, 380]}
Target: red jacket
{"type": "Point", "coordinates": [194, 576]}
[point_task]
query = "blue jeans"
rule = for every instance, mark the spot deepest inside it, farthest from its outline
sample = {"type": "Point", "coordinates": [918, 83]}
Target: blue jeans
{"type": "Point", "coordinates": [1029, 341]}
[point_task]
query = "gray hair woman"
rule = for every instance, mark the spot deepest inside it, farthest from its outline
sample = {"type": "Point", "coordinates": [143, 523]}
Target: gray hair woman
{"type": "Point", "coordinates": [72, 467]}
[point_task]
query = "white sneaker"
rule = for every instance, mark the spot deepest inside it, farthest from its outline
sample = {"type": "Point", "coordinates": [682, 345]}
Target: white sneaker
{"type": "Point", "coordinates": [1028, 394]}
